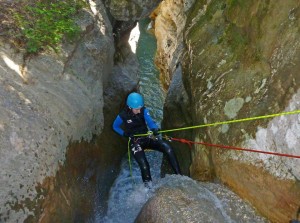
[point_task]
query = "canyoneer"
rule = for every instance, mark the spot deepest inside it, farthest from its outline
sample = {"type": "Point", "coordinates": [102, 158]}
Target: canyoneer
{"type": "Point", "coordinates": [135, 119]}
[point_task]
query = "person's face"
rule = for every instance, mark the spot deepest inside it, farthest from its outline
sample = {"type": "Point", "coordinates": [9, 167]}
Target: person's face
{"type": "Point", "coordinates": [136, 110]}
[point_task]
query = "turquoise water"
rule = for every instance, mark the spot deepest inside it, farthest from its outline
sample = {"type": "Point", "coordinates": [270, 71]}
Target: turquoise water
{"type": "Point", "coordinates": [128, 193]}
{"type": "Point", "coordinates": [150, 85]}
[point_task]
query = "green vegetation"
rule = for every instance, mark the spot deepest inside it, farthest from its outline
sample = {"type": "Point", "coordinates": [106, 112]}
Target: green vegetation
{"type": "Point", "coordinates": [236, 38]}
{"type": "Point", "coordinates": [44, 24]}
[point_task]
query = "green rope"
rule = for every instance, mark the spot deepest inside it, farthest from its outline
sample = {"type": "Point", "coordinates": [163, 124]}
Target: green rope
{"type": "Point", "coordinates": [227, 122]}
{"type": "Point", "coordinates": [129, 159]}
{"type": "Point", "coordinates": [213, 124]}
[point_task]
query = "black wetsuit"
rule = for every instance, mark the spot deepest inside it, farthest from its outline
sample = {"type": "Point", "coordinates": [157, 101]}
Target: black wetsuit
{"type": "Point", "coordinates": [138, 124]}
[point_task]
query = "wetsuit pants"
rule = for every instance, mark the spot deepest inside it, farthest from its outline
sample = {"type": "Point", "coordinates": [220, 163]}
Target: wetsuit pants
{"type": "Point", "coordinates": [138, 145]}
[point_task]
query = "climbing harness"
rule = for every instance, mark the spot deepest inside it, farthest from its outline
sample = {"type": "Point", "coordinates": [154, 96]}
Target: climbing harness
{"type": "Point", "coordinates": [149, 134]}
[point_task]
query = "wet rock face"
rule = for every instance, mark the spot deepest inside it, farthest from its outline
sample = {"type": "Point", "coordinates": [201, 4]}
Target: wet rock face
{"type": "Point", "coordinates": [266, 192]}
{"type": "Point", "coordinates": [173, 205]}
{"type": "Point", "coordinates": [170, 19]}
{"type": "Point", "coordinates": [191, 201]}
{"type": "Point", "coordinates": [177, 113]}
{"type": "Point", "coordinates": [71, 194]}
{"type": "Point", "coordinates": [46, 102]}
{"type": "Point", "coordinates": [241, 60]}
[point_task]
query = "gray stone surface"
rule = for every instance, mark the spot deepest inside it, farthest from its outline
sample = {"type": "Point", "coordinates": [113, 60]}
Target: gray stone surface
{"type": "Point", "coordinates": [47, 101]}
{"type": "Point", "coordinates": [131, 10]}
{"type": "Point", "coordinates": [240, 60]}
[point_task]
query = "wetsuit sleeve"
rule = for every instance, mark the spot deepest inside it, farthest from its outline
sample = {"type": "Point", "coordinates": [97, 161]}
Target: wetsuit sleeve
{"type": "Point", "coordinates": [117, 125]}
{"type": "Point", "coordinates": [151, 124]}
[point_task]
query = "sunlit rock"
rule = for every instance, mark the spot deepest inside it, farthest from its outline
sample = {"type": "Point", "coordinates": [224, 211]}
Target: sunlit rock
{"type": "Point", "coordinates": [240, 60]}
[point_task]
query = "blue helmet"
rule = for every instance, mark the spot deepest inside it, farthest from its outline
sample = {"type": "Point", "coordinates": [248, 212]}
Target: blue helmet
{"type": "Point", "coordinates": [135, 100]}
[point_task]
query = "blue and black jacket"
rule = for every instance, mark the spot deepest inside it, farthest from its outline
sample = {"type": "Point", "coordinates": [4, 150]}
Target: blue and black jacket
{"type": "Point", "coordinates": [133, 123]}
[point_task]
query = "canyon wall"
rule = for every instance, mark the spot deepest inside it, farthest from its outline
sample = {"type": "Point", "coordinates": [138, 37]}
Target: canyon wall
{"type": "Point", "coordinates": [59, 154]}
{"type": "Point", "coordinates": [240, 59]}
{"type": "Point", "coordinates": [47, 102]}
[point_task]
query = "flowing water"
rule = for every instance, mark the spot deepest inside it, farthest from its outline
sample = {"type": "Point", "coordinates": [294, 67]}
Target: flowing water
{"type": "Point", "coordinates": [149, 83]}
{"type": "Point", "coordinates": [128, 194]}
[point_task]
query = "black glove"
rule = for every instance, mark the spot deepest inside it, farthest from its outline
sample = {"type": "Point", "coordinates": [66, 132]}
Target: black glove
{"type": "Point", "coordinates": [155, 131]}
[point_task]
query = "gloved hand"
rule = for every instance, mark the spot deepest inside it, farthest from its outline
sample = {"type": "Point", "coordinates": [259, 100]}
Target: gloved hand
{"type": "Point", "coordinates": [155, 131]}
